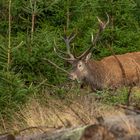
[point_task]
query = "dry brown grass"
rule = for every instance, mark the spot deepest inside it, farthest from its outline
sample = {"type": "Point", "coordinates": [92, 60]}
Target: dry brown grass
{"type": "Point", "coordinates": [56, 113]}
{"type": "Point", "coordinates": [48, 113]}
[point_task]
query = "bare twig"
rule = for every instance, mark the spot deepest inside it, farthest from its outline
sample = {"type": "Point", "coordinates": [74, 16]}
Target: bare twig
{"type": "Point", "coordinates": [129, 95]}
{"type": "Point", "coordinates": [120, 65]}
{"type": "Point", "coordinates": [63, 123]}
{"type": "Point", "coordinates": [76, 113]}
{"type": "Point", "coordinates": [55, 65]}
{"type": "Point", "coordinates": [28, 128]}
{"type": "Point", "coordinates": [9, 42]}
{"type": "Point", "coordinates": [68, 15]}
{"type": "Point", "coordinates": [128, 108]}
{"type": "Point", "coordinates": [33, 7]}
{"type": "Point", "coordinates": [32, 127]}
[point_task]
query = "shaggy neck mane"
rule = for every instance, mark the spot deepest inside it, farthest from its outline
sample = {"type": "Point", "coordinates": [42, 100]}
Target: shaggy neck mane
{"type": "Point", "coordinates": [96, 74]}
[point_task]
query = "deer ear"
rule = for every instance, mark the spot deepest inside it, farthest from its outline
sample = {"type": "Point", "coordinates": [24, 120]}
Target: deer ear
{"type": "Point", "coordinates": [88, 57]}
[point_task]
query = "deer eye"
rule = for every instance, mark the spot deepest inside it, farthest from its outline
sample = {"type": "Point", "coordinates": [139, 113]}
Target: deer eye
{"type": "Point", "coordinates": [79, 65]}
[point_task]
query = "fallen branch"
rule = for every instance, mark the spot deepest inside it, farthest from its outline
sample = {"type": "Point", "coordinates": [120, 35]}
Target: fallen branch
{"type": "Point", "coordinates": [55, 65]}
{"type": "Point", "coordinates": [128, 108]}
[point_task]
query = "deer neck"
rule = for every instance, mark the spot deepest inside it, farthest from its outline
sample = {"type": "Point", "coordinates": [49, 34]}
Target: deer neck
{"type": "Point", "coordinates": [96, 74]}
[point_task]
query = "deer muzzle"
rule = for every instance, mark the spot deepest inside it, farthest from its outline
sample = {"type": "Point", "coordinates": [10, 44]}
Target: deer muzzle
{"type": "Point", "coordinates": [73, 76]}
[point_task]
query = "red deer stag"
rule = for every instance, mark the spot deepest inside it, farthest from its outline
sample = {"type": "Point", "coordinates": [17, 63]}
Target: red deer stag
{"type": "Point", "coordinates": [110, 72]}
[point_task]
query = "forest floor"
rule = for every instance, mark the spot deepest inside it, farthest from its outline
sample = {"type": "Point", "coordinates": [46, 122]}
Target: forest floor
{"type": "Point", "coordinates": [75, 107]}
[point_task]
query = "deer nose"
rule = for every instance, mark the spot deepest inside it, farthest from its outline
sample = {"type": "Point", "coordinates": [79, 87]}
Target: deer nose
{"type": "Point", "coordinates": [72, 76]}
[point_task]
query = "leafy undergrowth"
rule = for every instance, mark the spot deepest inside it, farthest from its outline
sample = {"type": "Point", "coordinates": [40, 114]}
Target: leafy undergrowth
{"type": "Point", "coordinates": [120, 96]}
{"type": "Point", "coordinates": [71, 107]}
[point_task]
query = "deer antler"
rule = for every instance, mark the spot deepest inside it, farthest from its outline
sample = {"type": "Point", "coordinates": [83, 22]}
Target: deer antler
{"type": "Point", "coordinates": [67, 40]}
{"type": "Point", "coordinates": [102, 26]}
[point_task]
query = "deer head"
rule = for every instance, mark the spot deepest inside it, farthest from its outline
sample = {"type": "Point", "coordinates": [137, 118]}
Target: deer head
{"type": "Point", "coordinates": [79, 63]}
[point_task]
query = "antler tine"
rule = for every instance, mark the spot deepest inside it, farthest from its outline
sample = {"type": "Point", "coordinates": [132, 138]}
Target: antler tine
{"type": "Point", "coordinates": [67, 40]}
{"type": "Point", "coordinates": [58, 50]}
{"type": "Point", "coordinates": [67, 59]}
{"type": "Point", "coordinates": [102, 26]}
{"type": "Point", "coordinates": [72, 36]}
